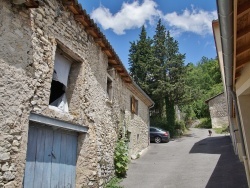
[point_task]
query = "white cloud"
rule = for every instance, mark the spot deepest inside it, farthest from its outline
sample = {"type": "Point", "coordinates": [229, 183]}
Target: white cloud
{"type": "Point", "coordinates": [132, 15]}
{"type": "Point", "coordinates": [196, 20]}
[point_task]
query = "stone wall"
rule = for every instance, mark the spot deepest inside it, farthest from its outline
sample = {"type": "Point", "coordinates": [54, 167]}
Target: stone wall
{"type": "Point", "coordinates": [28, 41]}
{"type": "Point", "coordinates": [218, 111]}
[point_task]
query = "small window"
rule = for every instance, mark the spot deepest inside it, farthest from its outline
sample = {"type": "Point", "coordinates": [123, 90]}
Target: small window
{"type": "Point", "coordinates": [134, 105]}
{"type": "Point", "coordinates": [109, 88]}
{"type": "Point", "coordinates": [60, 82]}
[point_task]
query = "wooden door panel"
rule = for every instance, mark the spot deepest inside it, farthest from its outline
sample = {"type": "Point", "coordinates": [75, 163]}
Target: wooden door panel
{"type": "Point", "coordinates": [47, 155]}
{"type": "Point", "coordinates": [62, 161]}
{"type": "Point", "coordinates": [55, 166]}
{"type": "Point", "coordinates": [38, 171]}
{"type": "Point", "coordinates": [51, 158]}
{"type": "Point", "coordinates": [70, 160]}
{"type": "Point", "coordinates": [31, 158]}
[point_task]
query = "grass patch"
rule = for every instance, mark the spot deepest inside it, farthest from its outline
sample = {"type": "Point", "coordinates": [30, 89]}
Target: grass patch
{"type": "Point", "coordinates": [205, 123]}
{"type": "Point", "coordinates": [114, 183]}
{"type": "Point", "coordinates": [223, 130]}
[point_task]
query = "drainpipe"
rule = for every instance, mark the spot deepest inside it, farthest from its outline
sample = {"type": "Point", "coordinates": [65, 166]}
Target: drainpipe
{"type": "Point", "coordinates": [225, 16]}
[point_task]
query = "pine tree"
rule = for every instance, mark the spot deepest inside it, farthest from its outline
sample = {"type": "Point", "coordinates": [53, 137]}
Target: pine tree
{"type": "Point", "coordinates": [140, 58]}
{"type": "Point", "coordinates": [158, 67]}
{"type": "Point", "coordinates": [159, 86]}
{"type": "Point", "coordinates": [174, 70]}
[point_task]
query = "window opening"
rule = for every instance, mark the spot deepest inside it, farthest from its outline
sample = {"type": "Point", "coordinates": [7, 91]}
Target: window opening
{"type": "Point", "coordinates": [134, 105]}
{"type": "Point", "coordinates": [109, 88]}
{"type": "Point", "coordinates": [59, 82]}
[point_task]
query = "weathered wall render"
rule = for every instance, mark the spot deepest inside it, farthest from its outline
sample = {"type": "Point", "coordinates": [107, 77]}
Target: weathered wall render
{"type": "Point", "coordinates": [28, 41]}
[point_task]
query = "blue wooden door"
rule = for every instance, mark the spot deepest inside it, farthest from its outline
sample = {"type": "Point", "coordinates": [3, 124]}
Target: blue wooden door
{"type": "Point", "coordinates": [51, 158]}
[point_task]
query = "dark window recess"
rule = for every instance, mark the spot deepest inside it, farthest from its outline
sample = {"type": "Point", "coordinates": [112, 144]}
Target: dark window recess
{"type": "Point", "coordinates": [57, 90]}
{"type": "Point", "coordinates": [59, 82]}
{"type": "Point", "coordinates": [109, 88]}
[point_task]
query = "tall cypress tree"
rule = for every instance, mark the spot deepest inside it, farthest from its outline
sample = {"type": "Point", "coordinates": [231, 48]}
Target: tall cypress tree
{"type": "Point", "coordinates": [158, 67]}
{"type": "Point", "coordinates": [140, 58]}
{"type": "Point", "coordinates": [175, 71]}
{"type": "Point", "coordinates": [159, 51]}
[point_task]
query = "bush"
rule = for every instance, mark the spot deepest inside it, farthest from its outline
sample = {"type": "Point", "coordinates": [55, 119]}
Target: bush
{"type": "Point", "coordinates": [174, 130]}
{"type": "Point", "coordinates": [180, 128]}
{"type": "Point", "coordinates": [223, 130]}
{"type": "Point", "coordinates": [180, 125]}
{"type": "Point", "coordinates": [205, 123]}
{"type": "Point", "coordinates": [121, 158]}
{"type": "Point", "coordinates": [113, 183]}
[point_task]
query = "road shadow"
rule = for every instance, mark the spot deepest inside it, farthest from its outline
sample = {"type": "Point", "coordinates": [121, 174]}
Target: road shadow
{"type": "Point", "coordinates": [229, 171]}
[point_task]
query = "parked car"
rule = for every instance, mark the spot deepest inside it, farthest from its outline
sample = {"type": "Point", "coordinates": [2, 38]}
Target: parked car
{"type": "Point", "coordinates": [158, 135]}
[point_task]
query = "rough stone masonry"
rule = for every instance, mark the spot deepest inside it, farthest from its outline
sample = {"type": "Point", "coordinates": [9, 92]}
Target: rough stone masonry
{"type": "Point", "coordinates": [29, 39]}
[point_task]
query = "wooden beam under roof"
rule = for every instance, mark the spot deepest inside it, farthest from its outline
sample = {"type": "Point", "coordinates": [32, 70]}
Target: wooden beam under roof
{"type": "Point", "coordinates": [92, 31]}
{"type": "Point", "coordinates": [237, 75]}
{"type": "Point", "coordinates": [128, 80]}
{"type": "Point", "coordinates": [242, 49]}
{"type": "Point", "coordinates": [99, 41]}
{"type": "Point", "coordinates": [243, 9]}
{"type": "Point", "coordinates": [243, 32]}
{"type": "Point", "coordinates": [121, 71]}
{"type": "Point", "coordinates": [242, 62]}
{"type": "Point", "coordinates": [31, 4]}
{"type": "Point", "coordinates": [72, 6]}
{"type": "Point", "coordinates": [112, 61]}
{"type": "Point", "coordinates": [81, 18]}
{"type": "Point", "coordinates": [117, 66]}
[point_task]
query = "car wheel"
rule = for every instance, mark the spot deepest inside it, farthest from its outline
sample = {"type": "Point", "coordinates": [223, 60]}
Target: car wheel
{"type": "Point", "coordinates": [157, 139]}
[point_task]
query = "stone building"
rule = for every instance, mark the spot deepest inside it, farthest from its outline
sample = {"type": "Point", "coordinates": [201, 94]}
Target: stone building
{"type": "Point", "coordinates": [65, 97]}
{"type": "Point", "coordinates": [218, 111]}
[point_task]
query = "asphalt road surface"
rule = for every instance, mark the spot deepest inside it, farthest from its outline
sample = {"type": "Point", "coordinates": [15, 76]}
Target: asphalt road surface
{"type": "Point", "coordinates": [195, 160]}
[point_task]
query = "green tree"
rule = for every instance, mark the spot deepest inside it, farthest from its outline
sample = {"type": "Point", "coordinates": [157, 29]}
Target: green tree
{"type": "Point", "coordinates": [174, 71]}
{"type": "Point", "coordinates": [158, 70]}
{"type": "Point", "coordinates": [140, 58]}
{"type": "Point", "coordinates": [204, 81]}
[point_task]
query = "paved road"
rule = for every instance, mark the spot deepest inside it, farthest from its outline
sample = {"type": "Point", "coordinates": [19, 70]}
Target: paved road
{"type": "Point", "coordinates": [193, 161]}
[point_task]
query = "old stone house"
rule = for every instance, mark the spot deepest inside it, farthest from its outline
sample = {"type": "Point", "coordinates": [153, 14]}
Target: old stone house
{"type": "Point", "coordinates": [218, 111]}
{"type": "Point", "coordinates": [65, 97]}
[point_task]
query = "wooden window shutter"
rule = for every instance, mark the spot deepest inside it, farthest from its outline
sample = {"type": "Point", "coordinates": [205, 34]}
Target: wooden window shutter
{"type": "Point", "coordinates": [133, 105]}
{"type": "Point", "coordinates": [136, 106]}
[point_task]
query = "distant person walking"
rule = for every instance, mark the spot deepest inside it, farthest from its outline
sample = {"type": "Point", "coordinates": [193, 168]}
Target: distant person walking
{"type": "Point", "coordinates": [209, 132]}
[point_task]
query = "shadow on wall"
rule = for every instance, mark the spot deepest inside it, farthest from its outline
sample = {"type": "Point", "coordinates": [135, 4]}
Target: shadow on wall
{"type": "Point", "coordinates": [229, 171]}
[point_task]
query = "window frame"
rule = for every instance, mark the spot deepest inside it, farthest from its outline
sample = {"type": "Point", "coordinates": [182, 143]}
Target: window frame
{"type": "Point", "coordinates": [134, 105]}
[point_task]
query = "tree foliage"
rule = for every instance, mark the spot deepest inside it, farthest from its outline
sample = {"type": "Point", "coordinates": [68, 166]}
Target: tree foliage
{"type": "Point", "coordinates": [157, 66]}
{"type": "Point", "coordinates": [203, 81]}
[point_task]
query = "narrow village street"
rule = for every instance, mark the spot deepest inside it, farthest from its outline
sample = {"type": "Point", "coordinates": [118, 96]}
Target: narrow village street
{"type": "Point", "coordinates": [192, 161]}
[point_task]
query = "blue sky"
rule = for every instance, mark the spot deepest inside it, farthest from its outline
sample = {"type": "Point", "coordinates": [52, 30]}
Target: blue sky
{"type": "Point", "coordinates": [189, 22]}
